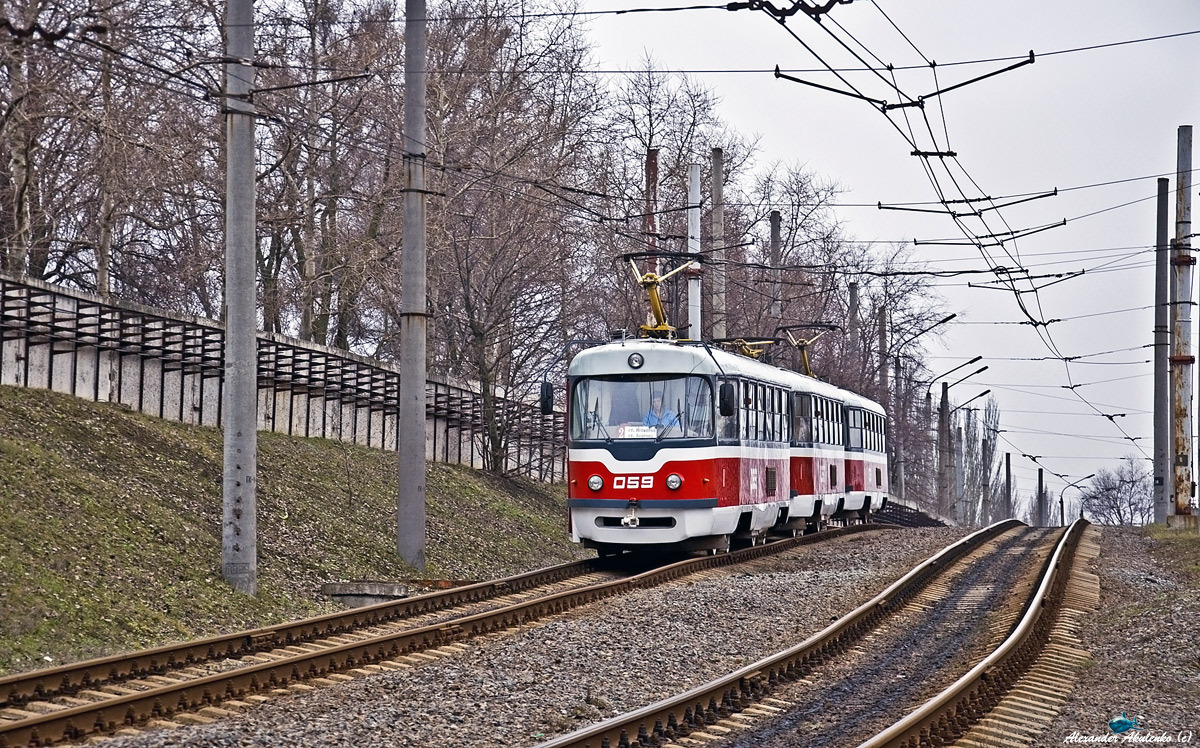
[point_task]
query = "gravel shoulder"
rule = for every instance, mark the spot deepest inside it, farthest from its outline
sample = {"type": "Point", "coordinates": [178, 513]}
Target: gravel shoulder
{"type": "Point", "coordinates": [1143, 641]}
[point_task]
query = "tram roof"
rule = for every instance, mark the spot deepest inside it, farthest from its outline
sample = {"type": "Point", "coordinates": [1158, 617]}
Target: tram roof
{"type": "Point", "coordinates": [672, 357]}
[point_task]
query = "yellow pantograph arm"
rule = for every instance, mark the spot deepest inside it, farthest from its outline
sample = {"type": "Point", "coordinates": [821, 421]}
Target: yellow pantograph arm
{"type": "Point", "coordinates": [651, 282]}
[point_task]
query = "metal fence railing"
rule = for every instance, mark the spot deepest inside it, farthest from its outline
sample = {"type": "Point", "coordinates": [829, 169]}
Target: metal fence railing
{"type": "Point", "coordinates": [172, 366]}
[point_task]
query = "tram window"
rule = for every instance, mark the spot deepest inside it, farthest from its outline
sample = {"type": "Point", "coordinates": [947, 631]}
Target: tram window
{"type": "Point", "coordinates": [824, 416]}
{"type": "Point", "coordinates": [764, 412]}
{"type": "Point", "coordinates": [801, 417]}
{"type": "Point", "coordinates": [727, 426]}
{"type": "Point", "coordinates": [754, 407]}
{"type": "Point", "coordinates": [760, 412]}
{"type": "Point", "coordinates": [782, 415]}
{"type": "Point", "coordinates": [643, 407]}
{"type": "Point", "coordinates": [747, 409]}
{"type": "Point", "coordinates": [855, 417]}
{"type": "Point", "coordinates": [769, 414]}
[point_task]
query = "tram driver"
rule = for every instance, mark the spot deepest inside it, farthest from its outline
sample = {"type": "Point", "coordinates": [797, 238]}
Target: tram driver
{"type": "Point", "coordinates": [658, 415]}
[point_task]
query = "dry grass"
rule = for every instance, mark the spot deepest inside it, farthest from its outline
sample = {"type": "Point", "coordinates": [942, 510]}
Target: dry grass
{"type": "Point", "coordinates": [110, 528]}
{"type": "Point", "coordinates": [1177, 549]}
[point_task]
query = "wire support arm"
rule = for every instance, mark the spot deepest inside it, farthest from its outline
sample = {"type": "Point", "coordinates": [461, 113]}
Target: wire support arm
{"type": "Point", "coordinates": [1002, 236]}
{"type": "Point", "coordinates": [852, 94]}
{"type": "Point", "coordinates": [985, 76]}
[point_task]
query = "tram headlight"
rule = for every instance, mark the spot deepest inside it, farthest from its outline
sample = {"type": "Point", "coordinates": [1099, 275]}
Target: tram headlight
{"type": "Point", "coordinates": [674, 481]}
{"type": "Point", "coordinates": [595, 483]}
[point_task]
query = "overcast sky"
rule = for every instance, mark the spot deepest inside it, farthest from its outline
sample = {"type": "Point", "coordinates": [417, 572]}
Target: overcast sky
{"type": "Point", "coordinates": [1070, 120]}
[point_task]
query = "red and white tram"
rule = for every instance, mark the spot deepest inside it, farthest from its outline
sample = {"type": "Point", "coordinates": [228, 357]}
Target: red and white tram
{"type": "Point", "coordinates": [675, 443]}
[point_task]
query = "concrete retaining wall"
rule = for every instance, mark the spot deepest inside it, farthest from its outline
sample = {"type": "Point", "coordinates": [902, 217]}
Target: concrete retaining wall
{"type": "Point", "coordinates": [171, 366]}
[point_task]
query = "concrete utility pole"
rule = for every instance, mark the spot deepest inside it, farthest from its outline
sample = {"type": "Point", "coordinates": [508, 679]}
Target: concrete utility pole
{"type": "Point", "coordinates": [718, 240]}
{"type": "Point", "coordinates": [410, 419]}
{"type": "Point", "coordinates": [1162, 369]}
{"type": "Point", "coordinates": [895, 441]}
{"type": "Point", "coordinates": [960, 475]}
{"type": "Point", "coordinates": [885, 399]}
{"type": "Point", "coordinates": [943, 472]}
{"type": "Point", "coordinates": [985, 505]}
{"type": "Point", "coordinates": [881, 319]}
{"type": "Point", "coordinates": [1183, 359]}
{"type": "Point", "coordinates": [650, 221]}
{"type": "Point", "coordinates": [239, 503]}
{"type": "Point", "coordinates": [776, 254]}
{"type": "Point", "coordinates": [1007, 486]}
{"type": "Point", "coordinates": [650, 213]}
{"type": "Point", "coordinates": [695, 332]}
{"type": "Point", "coordinates": [1041, 520]}
{"type": "Point", "coordinates": [852, 332]}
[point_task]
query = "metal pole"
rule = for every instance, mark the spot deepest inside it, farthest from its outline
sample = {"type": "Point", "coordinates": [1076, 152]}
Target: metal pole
{"type": "Point", "coordinates": [776, 251]}
{"type": "Point", "coordinates": [718, 234]}
{"type": "Point", "coordinates": [694, 330]}
{"type": "Point", "coordinates": [239, 505]}
{"type": "Point", "coordinates": [410, 420]}
{"type": "Point", "coordinates": [1162, 371]}
{"type": "Point", "coordinates": [1183, 359]}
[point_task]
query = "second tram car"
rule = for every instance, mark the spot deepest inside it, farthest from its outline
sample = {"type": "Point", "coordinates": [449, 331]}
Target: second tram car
{"type": "Point", "coordinates": [675, 443]}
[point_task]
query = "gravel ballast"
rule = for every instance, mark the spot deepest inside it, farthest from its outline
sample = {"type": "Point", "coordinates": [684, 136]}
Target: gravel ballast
{"type": "Point", "coordinates": [525, 686]}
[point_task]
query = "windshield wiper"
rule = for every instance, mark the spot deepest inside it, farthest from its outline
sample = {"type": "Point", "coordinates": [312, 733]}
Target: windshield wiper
{"type": "Point", "coordinates": [596, 417]}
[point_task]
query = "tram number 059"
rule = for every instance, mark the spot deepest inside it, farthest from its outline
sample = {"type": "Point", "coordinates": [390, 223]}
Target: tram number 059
{"type": "Point", "coordinates": [633, 481]}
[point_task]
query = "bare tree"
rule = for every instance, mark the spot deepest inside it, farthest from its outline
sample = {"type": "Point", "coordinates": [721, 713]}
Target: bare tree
{"type": "Point", "coordinates": [1123, 496]}
{"type": "Point", "coordinates": [512, 116]}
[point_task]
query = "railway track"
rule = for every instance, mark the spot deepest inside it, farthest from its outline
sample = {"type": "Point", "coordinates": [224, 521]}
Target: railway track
{"type": "Point", "coordinates": [219, 675]}
{"type": "Point", "coordinates": [778, 700]}
{"type": "Point", "coordinates": [1009, 697]}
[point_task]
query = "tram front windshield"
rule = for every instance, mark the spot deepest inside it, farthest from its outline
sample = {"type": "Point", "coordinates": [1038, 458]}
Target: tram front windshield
{"type": "Point", "coordinates": [645, 407]}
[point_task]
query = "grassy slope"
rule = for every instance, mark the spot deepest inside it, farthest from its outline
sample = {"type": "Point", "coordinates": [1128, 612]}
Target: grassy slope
{"type": "Point", "coordinates": [110, 528]}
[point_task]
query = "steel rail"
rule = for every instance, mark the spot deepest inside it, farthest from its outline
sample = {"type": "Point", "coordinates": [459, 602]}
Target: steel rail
{"type": "Point", "coordinates": [674, 717]}
{"type": "Point", "coordinates": [161, 702]}
{"type": "Point", "coordinates": [64, 680]}
{"type": "Point", "coordinates": [948, 714]}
